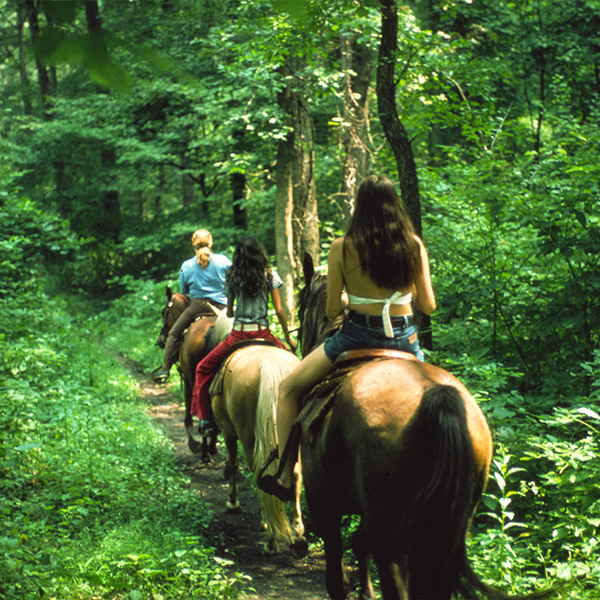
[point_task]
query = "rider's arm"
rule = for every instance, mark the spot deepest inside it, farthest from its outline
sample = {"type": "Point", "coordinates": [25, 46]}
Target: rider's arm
{"type": "Point", "coordinates": [281, 317]}
{"type": "Point", "coordinates": [230, 311]}
{"type": "Point", "coordinates": [335, 280]}
{"type": "Point", "coordinates": [423, 289]}
{"type": "Point", "coordinates": [183, 286]}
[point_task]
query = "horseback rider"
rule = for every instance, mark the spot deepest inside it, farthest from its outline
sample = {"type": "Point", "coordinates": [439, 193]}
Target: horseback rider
{"type": "Point", "coordinates": [250, 281]}
{"type": "Point", "coordinates": [384, 267]}
{"type": "Point", "coordinates": [202, 280]}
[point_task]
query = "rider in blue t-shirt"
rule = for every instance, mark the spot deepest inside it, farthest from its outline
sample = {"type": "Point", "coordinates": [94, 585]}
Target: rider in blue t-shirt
{"type": "Point", "coordinates": [202, 280]}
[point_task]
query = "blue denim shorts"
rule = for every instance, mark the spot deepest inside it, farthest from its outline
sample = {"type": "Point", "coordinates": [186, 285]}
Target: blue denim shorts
{"type": "Point", "coordinates": [354, 336]}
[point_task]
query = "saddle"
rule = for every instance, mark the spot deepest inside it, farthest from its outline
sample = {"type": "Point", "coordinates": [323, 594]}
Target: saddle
{"type": "Point", "coordinates": [216, 386]}
{"type": "Point", "coordinates": [320, 399]}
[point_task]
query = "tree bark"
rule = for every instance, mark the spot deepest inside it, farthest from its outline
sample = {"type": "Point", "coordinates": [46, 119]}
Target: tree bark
{"type": "Point", "coordinates": [110, 222]}
{"type": "Point", "coordinates": [296, 216]}
{"type": "Point", "coordinates": [356, 63]}
{"type": "Point", "coordinates": [284, 204]}
{"type": "Point", "coordinates": [238, 187]}
{"type": "Point", "coordinates": [21, 17]}
{"type": "Point", "coordinates": [396, 134]}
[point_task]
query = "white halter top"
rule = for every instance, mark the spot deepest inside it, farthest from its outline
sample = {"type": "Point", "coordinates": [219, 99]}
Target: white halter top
{"type": "Point", "coordinates": [397, 298]}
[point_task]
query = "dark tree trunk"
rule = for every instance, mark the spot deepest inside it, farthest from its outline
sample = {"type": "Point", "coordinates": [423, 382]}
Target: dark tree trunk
{"type": "Point", "coordinates": [109, 222]}
{"type": "Point", "coordinates": [238, 186]}
{"type": "Point", "coordinates": [396, 133]}
{"type": "Point", "coordinates": [388, 115]}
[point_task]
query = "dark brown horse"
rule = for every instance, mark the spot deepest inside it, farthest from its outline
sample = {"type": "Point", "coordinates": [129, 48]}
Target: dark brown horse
{"type": "Point", "coordinates": [405, 446]}
{"type": "Point", "coordinates": [197, 342]}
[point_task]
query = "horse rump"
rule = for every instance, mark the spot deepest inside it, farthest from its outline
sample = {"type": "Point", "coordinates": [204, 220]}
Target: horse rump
{"type": "Point", "coordinates": [440, 485]}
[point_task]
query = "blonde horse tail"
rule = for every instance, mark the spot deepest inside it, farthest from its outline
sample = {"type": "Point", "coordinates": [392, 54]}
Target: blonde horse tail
{"type": "Point", "coordinates": [265, 436]}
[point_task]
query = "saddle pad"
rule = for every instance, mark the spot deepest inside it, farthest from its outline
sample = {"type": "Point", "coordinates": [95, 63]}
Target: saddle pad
{"type": "Point", "coordinates": [320, 399]}
{"type": "Point", "coordinates": [216, 386]}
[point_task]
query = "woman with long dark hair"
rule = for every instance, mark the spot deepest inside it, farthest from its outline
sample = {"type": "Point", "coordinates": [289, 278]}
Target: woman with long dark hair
{"type": "Point", "coordinates": [384, 268]}
{"type": "Point", "coordinates": [249, 282]}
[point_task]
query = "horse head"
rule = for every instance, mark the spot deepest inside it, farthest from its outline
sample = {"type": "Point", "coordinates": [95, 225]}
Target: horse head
{"type": "Point", "coordinates": [312, 302]}
{"type": "Point", "coordinates": [176, 304]}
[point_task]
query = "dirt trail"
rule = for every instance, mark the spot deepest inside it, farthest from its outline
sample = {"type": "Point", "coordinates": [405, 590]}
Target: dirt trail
{"type": "Point", "coordinates": [237, 536]}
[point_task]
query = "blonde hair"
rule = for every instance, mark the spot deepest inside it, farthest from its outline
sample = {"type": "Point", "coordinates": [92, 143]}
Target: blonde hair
{"type": "Point", "coordinates": [202, 242]}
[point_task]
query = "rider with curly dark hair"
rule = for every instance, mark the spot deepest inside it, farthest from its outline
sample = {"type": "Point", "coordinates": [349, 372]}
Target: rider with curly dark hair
{"type": "Point", "coordinates": [249, 283]}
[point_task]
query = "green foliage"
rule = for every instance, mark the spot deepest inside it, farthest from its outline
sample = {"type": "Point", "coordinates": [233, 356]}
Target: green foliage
{"type": "Point", "coordinates": [92, 504]}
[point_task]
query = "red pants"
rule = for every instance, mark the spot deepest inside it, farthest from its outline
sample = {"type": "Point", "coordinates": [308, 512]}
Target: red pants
{"type": "Point", "coordinates": [208, 366]}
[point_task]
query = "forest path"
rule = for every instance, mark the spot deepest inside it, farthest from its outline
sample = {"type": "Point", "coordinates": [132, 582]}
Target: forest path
{"type": "Point", "coordinates": [237, 537]}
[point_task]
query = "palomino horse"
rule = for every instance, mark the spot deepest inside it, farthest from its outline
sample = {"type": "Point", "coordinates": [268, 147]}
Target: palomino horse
{"type": "Point", "coordinates": [197, 342]}
{"type": "Point", "coordinates": [244, 407]}
{"type": "Point", "coordinates": [404, 445]}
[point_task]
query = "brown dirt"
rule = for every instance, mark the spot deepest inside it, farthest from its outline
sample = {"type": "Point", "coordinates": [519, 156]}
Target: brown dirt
{"type": "Point", "coordinates": [238, 536]}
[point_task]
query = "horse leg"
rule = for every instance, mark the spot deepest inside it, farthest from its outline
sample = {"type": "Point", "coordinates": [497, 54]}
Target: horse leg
{"type": "Point", "coordinates": [188, 422]}
{"type": "Point", "coordinates": [231, 465]}
{"type": "Point", "coordinates": [394, 585]}
{"type": "Point", "coordinates": [335, 577]}
{"type": "Point", "coordinates": [298, 544]}
{"type": "Point", "coordinates": [363, 557]}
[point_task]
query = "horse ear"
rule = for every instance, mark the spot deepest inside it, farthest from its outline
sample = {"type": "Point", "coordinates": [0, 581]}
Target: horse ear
{"type": "Point", "coordinates": [308, 268]}
{"type": "Point", "coordinates": [169, 293]}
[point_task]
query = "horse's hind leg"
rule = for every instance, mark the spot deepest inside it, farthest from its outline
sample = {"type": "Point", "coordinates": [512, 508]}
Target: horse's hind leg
{"type": "Point", "coordinates": [231, 465]}
{"type": "Point", "coordinates": [298, 544]}
{"type": "Point", "coordinates": [394, 585]}
{"type": "Point", "coordinates": [363, 557]}
{"type": "Point", "coordinates": [335, 577]}
{"type": "Point", "coordinates": [188, 422]}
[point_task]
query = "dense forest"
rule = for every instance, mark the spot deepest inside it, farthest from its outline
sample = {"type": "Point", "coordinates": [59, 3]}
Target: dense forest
{"type": "Point", "coordinates": [127, 125]}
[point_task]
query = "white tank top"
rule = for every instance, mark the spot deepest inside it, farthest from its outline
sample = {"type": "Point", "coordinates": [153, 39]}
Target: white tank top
{"type": "Point", "coordinates": [397, 298]}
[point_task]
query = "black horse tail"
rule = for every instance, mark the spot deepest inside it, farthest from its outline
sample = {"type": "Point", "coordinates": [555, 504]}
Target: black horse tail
{"type": "Point", "coordinates": [440, 482]}
{"type": "Point", "coordinates": [443, 486]}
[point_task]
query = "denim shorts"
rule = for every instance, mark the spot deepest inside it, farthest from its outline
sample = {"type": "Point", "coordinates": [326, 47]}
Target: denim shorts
{"type": "Point", "coordinates": [354, 336]}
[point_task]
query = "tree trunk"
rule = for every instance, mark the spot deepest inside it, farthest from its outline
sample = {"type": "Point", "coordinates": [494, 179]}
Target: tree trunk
{"type": "Point", "coordinates": [187, 191]}
{"type": "Point", "coordinates": [109, 221]}
{"type": "Point", "coordinates": [284, 204]}
{"type": "Point", "coordinates": [305, 215]}
{"type": "Point", "coordinates": [21, 17]}
{"type": "Point", "coordinates": [238, 186]}
{"type": "Point", "coordinates": [388, 115]}
{"type": "Point", "coordinates": [356, 62]}
{"type": "Point", "coordinates": [397, 136]}
{"type": "Point", "coordinates": [296, 226]}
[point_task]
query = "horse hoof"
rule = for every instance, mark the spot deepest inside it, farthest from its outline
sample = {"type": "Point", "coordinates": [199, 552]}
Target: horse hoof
{"type": "Point", "coordinates": [299, 548]}
{"type": "Point", "coordinates": [233, 507]}
{"type": "Point", "coordinates": [194, 446]}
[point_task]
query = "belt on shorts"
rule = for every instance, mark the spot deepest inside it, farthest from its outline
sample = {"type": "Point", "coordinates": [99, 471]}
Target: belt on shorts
{"type": "Point", "coordinates": [398, 321]}
{"type": "Point", "coordinates": [248, 327]}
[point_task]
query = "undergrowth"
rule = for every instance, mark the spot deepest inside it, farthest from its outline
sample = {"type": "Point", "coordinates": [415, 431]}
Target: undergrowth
{"type": "Point", "coordinates": [91, 501]}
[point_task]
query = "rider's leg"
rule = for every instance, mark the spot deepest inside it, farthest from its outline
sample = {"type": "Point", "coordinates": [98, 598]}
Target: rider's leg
{"type": "Point", "coordinates": [291, 391]}
{"type": "Point", "coordinates": [173, 344]}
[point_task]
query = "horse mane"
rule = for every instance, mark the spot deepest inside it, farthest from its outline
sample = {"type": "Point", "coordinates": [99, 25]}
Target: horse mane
{"type": "Point", "coordinates": [314, 326]}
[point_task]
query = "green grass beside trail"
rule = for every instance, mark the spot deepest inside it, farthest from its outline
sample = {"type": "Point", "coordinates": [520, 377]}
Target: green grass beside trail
{"type": "Point", "coordinates": [91, 502]}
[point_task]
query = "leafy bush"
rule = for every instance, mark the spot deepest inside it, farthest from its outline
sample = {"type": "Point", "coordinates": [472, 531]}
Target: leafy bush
{"type": "Point", "coordinates": [92, 503]}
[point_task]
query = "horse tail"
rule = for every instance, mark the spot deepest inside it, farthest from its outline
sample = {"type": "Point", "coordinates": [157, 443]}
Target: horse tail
{"type": "Point", "coordinates": [442, 486]}
{"type": "Point", "coordinates": [265, 439]}
{"type": "Point", "coordinates": [223, 326]}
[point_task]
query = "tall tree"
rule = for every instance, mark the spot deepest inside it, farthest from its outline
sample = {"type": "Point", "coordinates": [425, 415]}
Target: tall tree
{"type": "Point", "coordinates": [356, 64]}
{"type": "Point", "coordinates": [396, 133]}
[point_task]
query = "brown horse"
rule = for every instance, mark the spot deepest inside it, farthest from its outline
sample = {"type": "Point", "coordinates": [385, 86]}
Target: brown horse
{"type": "Point", "coordinates": [244, 406]}
{"type": "Point", "coordinates": [405, 446]}
{"type": "Point", "coordinates": [197, 342]}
